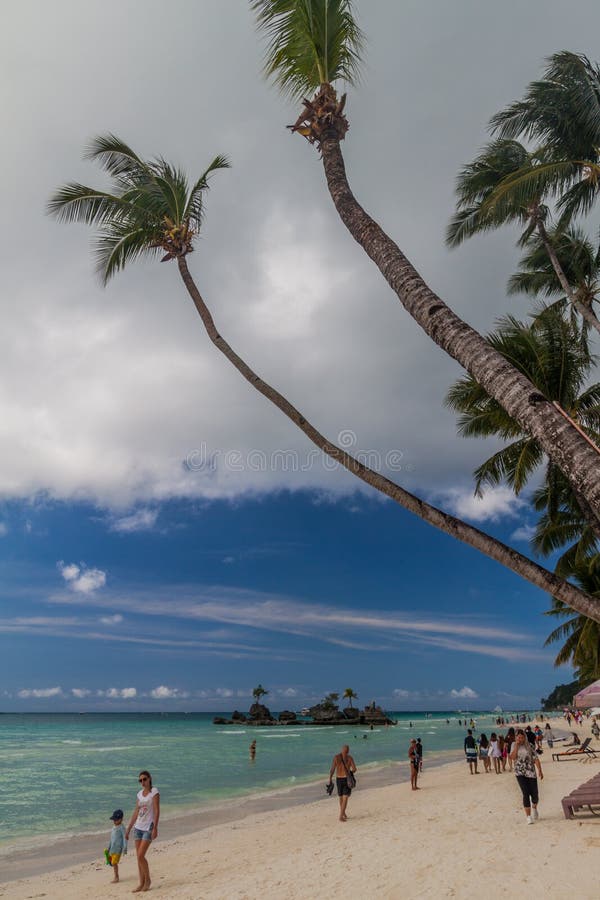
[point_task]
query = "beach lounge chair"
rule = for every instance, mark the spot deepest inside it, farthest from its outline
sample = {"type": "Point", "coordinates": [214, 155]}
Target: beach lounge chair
{"type": "Point", "coordinates": [582, 750]}
{"type": "Point", "coordinates": [587, 795]}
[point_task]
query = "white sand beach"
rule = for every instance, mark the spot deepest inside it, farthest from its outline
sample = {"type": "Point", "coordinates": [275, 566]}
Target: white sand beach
{"type": "Point", "coordinates": [458, 835]}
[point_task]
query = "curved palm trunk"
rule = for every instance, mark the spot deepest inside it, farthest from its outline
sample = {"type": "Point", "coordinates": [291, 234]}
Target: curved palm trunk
{"type": "Point", "coordinates": [515, 393]}
{"type": "Point", "coordinates": [586, 312]}
{"type": "Point", "coordinates": [491, 547]}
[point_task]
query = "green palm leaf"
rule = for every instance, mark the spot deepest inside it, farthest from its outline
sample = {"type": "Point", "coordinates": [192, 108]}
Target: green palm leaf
{"type": "Point", "coordinates": [309, 43]}
{"type": "Point", "coordinates": [150, 211]}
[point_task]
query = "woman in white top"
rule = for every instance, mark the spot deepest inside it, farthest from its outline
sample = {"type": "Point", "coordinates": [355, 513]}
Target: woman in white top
{"type": "Point", "coordinates": [144, 822]}
{"type": "Point", "coordinates": [495, 753]}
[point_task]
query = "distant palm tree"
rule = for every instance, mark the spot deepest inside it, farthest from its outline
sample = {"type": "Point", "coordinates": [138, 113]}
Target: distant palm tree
{"type": "Point", "coordinates": [259, 692]}
{"type": "Point", "coordinates": [350, 696]}
{"type": "Point", "coordinates": [153, 211]}
{"type": "Point", "coordinates": [310, 45]}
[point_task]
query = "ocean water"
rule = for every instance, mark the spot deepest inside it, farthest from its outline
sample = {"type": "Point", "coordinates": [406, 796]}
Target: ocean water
{"type": "Point", "coordinates": [65, 774]}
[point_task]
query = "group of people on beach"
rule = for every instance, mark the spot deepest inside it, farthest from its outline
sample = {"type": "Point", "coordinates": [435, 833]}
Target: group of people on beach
{"type": "Point", "coordinates": [520, 749]}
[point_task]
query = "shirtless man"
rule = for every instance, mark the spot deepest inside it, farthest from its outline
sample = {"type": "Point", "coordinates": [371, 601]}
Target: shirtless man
{"type": "Point", "coordinates": [342, 764]}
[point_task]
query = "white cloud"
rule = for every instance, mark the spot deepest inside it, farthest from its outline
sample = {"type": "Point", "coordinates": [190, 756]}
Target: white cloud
{"type": "Point", "coordinates": [111, 620]}
{"type": "Point", "coordinates": [400, 692]}
{"type": "Point", "coordinates": [523, 533]}
{"type": "Point", "coordinates": [3, 529]}
{"type": "Point", "coordinates": [466, 693]}
{"type": "Point", "coordinates": [80, 693]}
{"type": "Point", "coordinates": [289, 692]}
{"type": "Point", "coordinates": [497, 503]}
{"type": "Point", "coordinates": [142, 520]}
{"type": "Point", "coordinates": [365, 630]}
{"type": "Point", "coordinates": [81, 579]}
{"type": "Point", "coordinates": [38, 693]}
{"type": "Point", "coordinates": [162, 692]}
{"type": "Point", "coordinates": [128, 693]}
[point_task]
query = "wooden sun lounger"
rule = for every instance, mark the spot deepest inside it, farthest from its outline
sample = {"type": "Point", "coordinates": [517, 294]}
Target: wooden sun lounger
{"type": "Point", "coordinates": [586, 795]}
{"type": "Point", "coordinates": [583, 750]}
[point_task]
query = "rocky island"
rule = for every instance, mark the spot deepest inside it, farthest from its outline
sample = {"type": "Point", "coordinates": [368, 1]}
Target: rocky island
{"type": "Point", "coordinates": [327, 712]}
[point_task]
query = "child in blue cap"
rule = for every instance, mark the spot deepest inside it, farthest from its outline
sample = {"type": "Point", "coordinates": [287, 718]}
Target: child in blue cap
{"type": "Point", "coordinates": [118, 845]}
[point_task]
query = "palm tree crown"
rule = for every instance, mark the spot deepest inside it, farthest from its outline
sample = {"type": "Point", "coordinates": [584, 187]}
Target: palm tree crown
{"type": "Point", "coordinates": [150, 210]}
{"type": "Point", "coordinates": [309, 43]}
{"type": "Point", "coordinates": [561, 112]}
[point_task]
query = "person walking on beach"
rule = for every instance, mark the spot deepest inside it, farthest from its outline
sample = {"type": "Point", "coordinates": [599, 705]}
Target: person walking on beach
{"type": "Point", "coordinates": [413, 759]}
{"type": "Point", "coordinates": [344, 767]}
{"type": "Point", "coordinates": [144, 822]}
{"type": "Point", "coordinates": [420, 753]}
{"type": "Point", "coordinates": [117, 846]}
{"type": "Point", "coordinates": [526, 762]}
{"type": "Point", "coordinates": [471, 752]}
{"type": "Point", "coordinates": [548, 734]}
{"type": "Point", "coordinates": [484, 746]}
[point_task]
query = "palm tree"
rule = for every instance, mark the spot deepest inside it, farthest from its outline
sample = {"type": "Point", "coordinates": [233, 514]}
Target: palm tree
{"type": "Point", "coordinates": [507, 184]}
{"type": "Point", "coordinates": [579, 260]}
{"type": "Point", "coordinates": [153, 211]}
{"type": "Point", "coordinates": [259, 692]}
{"type": "Point", "coordinates": [580, 634]}
{"type": "Point", "coordinates": [561, 112]}
{"type": "Point", "coordinates": [310, 45]}
{"type": "Point", "coordinates": [553, 352]}
{"type": "Point", "coordinates": [349, 695]}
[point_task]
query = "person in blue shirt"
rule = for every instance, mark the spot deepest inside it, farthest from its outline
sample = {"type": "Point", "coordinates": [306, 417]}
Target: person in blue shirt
{"type": "Point", "coordinates": [118, 844]}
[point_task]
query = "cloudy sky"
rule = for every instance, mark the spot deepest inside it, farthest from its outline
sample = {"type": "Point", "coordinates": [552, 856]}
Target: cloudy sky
{"type": "Point", "coordinates": [168, 539]}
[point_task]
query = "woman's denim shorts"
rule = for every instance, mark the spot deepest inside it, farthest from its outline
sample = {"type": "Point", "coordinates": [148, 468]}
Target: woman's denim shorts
{"type": "Point", "coordinates": [142, 835]}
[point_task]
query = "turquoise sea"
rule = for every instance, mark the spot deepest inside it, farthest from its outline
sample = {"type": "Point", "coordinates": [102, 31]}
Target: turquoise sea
{"type": "Point", "coordinates": [65, 774]}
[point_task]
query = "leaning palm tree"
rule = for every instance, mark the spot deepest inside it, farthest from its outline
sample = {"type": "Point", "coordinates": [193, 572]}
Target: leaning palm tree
{"type": "Point", "coordinates": [508, 184]}
{"type": "Point", "coordinates": [151, 210]}
{"type": "Point", "coordinates": [311, 44]}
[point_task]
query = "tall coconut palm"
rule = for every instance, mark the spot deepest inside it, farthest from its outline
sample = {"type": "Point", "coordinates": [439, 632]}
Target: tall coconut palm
{"type": "Point", "coordinates": [554, 354]}
{"type": "Point", "coordinates": [561, 112]}
{"type": "Point", "coordinates": [507, 184]}
{"type": "Point", "coordinates": [310, 45]}
{"type": "Point", "coordinates": [152, 210]}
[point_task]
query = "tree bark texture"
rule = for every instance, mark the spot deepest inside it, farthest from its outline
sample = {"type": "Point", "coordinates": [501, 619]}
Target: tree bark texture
{"type": "Point", "coordinates": [521, 565]}
{"type": "Point", "coordinates": [515, 393]}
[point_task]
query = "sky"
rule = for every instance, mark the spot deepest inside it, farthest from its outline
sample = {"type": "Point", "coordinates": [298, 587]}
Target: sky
{"type": "Point", "coordinates": [167, 539]}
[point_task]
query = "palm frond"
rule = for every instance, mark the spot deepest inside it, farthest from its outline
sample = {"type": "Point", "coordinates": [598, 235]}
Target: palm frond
{"type": "Point", "coordinates": [117, 159]}
{"type": "Point", "coordinates": [79, 203]}
{"type": "Point", "coordinates": [120, 244]}
{"type": "Point", "coordinates": [194, 210]}
{"type": "Point", "coordinates": [309, 43]}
